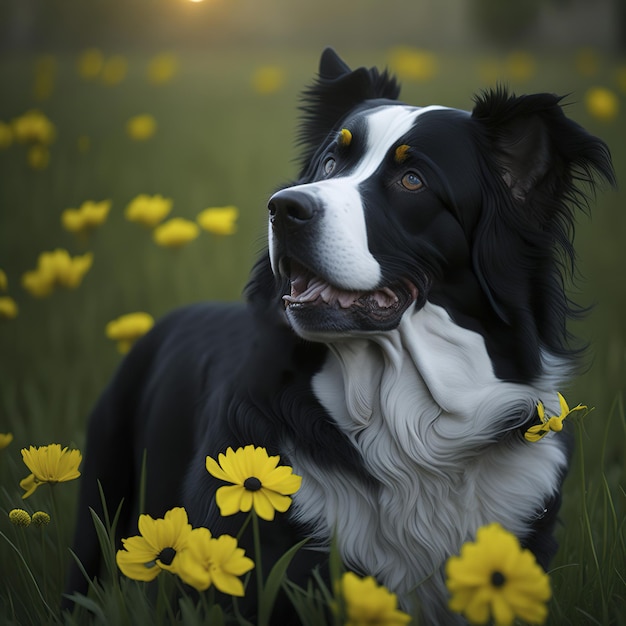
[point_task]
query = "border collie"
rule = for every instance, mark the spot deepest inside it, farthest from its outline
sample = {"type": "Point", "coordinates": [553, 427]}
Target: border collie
{"type": "Point", "coordinates": [409, 314]}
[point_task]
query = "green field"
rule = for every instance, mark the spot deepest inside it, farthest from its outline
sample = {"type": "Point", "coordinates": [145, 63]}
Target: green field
{"type": "Point", "coordinates": [221, 142]}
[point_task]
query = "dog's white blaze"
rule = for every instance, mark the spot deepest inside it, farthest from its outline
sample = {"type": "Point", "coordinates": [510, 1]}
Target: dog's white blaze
{"type": "Point", "coordinates": [341, 248]}
{"type": "Point", "coordinates": [422, 405]}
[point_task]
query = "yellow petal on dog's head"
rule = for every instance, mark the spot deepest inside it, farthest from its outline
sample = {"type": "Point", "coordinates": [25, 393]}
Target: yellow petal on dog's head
{"type": "Point", "coordinates": [402, 153]}
{"type": "Point", "coordinates": [345, 137]}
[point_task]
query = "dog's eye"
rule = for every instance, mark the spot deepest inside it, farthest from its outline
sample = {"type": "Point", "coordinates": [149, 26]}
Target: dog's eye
{"type": "Point", "coordinates": [329, 166]}
{"type": "Point", "coordinates": [412, 181]}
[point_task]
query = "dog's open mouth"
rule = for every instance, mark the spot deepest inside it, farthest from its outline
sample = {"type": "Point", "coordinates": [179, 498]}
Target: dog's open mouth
{"type": "Point", "coordinates": [384, 304]}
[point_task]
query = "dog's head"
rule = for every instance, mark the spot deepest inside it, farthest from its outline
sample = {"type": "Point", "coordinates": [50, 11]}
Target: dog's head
{"type": "Point", "coordinates": [397, 205]}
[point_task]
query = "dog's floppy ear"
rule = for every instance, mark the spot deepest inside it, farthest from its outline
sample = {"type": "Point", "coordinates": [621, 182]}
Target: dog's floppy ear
{"type": "Point", "coordinates": [337, 90]}
{"type": "Point", "coordinates": [533, 143]}
{"type": "Point", "coordinates": [522, 241]}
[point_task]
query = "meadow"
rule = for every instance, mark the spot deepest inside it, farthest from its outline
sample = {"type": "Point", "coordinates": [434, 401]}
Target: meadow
{"type": "Point", "coordinates": [226, 124]}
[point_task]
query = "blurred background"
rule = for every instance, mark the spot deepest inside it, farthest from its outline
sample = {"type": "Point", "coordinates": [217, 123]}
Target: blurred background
{"type": "Point", "coordinates": [213, 24]}
{"type": "Point", "coordinates": [175, 107]}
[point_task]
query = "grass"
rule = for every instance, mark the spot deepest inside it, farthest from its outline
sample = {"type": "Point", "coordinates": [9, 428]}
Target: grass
{"type": "Point", "coordinates": [220, 143]}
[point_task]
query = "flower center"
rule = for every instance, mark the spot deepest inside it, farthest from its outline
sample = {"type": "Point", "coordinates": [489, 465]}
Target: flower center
{"type": "Point", "coordinates": [252, 484]}
{"type": "Point", "coordinates": [166, 556]}
{"type": "Point", "coordinates": [497, 579]}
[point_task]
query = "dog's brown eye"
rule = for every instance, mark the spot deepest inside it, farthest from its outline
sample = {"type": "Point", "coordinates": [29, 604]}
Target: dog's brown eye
{"type": "Point", "coordinates": [329, 166]}
{"type": "Point", "coordinates": [412, 181]}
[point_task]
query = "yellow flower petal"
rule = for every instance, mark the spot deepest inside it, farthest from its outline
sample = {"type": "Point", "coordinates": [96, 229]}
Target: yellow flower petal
{"type": "Point", "coordinates": [8, 308]}
{"type": "Point", "coordinates": [141, 127]}
{"type": "Point", "coordinates": [219, 220]}
{"type": "Point", "coordinates": [128, 328]}
{"type": "Point", "coordinates": [262, 505]}
{"type": "Point", "coordinates": [207, 561]}
{"type": "Point", "coordinates": [148, 210]}
{"type": "Point", "coordinates": [214, 469]}
{"type": "Point", "coordinates": [29, 484]}
{"type": "Point", "coordinates": [137, 570]}
{"type": "Point", "coordinates": [277, 501]}
{"type": "Point", "coordinates": [368, 603]}
{"type": "Point", "coordinates": [229, 499]}
{"type": "Point", "coordinates": [283, 481]}
{"type": "Point", "coordinates": [175, 233]}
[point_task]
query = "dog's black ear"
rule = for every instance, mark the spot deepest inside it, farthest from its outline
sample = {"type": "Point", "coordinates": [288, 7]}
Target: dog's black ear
{"type": "Point", "coordinates": [522, 242]}
{"type": "Point", "coordinates": [337, 90]}
{"type": "Point", "coordinates": [534, 144]}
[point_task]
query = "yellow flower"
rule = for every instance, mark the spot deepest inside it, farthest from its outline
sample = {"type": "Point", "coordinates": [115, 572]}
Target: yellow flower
{"type": "Point", "coordinates": [49, 464]}
{"type": "Point", "coordinates": [554, 424]}
{"type": "Point", "coordinates": [114, 70]}
{"type": "Point", "coordinates": [33, 127]}
{"type": "Point", "coordinates": [19, 517]}
{"type": "Point", "coordinates": [69, 271]}
{"type": "Point", "coordinates": [8, 308]}
{"type": "Point", "coordinates": [156, 548]}
{"type": "Point", "coordinates": [206, 561]}
{"type": "Point", "coordinates": [148, 210]}
{"type": "Point", "coordinates": [40, 519]}
{"type": "Point", "coordinates": [175, 233]}
{"type": "Point", "coordinates": [219, 220]}
{"type": "Point", "coordinates": [4, 281]}
{"type": "Point", "coordinates": [162, 68]}
{"type": "Point", "coordinates": [412, 63]}
{"type": "Point", "coordinates": [256, 482]}
{"type": "Point", "coordinates": [90, 63]}
{"type": "Point", "coordinates": [38, 283]}
{"type": "Point", "coordinates": [268, 79]}
{"type": "Point", "coordinates": [128, 328]}
{"type": "Point", "coordinates": [368, 604]}
{"type": "Point", "coordinates": [5, 439]}
{"type": "Point", "coordinates": [602, 103]}
{"type": "Point", "coordinates": [495, 578]}
{"type": "Point", "coordinates": [6, 135]}
{"type": "Point", "coordinates": [141, 127]}
{"type": "Point", "coordinates": [88, 216]}
{"type": "Point", "coordinates": [38, 157]}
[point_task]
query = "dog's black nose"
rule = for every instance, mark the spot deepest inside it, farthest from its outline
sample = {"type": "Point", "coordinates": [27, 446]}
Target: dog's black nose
{"type": "Point", "coordinates": [291, 205]}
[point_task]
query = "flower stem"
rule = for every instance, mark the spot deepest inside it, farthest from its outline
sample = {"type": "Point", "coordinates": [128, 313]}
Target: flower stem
{"type": "Point", "coordinates": [57, 523]}
{"type": "Point", "coordinates": [44, 569]}
{"type": "Point", "coordinates": [256, 535]}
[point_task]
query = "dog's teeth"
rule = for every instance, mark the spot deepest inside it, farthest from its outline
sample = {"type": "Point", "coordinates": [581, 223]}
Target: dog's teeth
{"type": "Point", "coordinates": [385, 297]}
{"type": "Point", "coordinates": [348, 298]}
{"type": "Point", "coordinates": [308, 289]}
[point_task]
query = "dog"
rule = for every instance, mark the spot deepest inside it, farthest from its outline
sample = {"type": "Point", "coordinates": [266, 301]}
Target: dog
{"type": "Point", "coordinates": [397, 335]}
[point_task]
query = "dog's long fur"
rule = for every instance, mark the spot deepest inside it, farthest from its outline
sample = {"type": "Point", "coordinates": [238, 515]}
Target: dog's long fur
{"type": "Point", "coordinates": [395, 340]}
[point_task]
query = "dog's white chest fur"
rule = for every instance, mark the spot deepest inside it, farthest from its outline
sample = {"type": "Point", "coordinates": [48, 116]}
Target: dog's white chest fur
{"type": "Point", "coordinates": [422, 406]}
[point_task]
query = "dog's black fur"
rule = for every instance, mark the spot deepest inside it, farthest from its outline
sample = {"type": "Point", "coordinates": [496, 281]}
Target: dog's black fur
{"type": "Point", "coordinates": [487, 240]}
